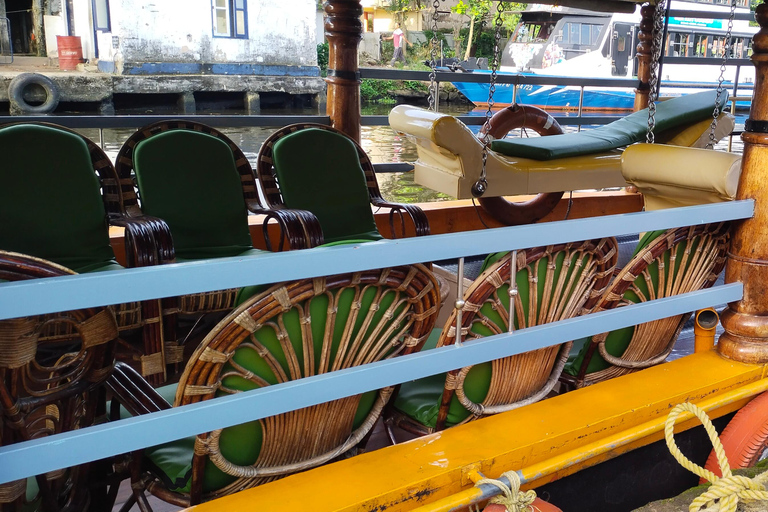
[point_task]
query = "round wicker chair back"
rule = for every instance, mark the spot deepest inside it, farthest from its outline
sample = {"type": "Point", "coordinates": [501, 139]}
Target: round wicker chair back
{"type": "Point", "coordinates": [553, 283]}
{"type": "Point", "coordinates": [673, 262]}
{"type": "Point", "coordinates": [296, 330]}
{"type": "Point", "coordinates": [48, 386]}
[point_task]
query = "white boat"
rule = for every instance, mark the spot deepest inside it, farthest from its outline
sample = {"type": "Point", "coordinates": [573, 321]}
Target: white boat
{"type": "Point", "coordinates": [570, 43]}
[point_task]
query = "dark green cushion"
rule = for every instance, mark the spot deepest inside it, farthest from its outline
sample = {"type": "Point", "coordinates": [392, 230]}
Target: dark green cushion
{"type": "Point", "coordinates": [671, 113]}
{"type": "Point", "coordinates": [617, 341]}
{"type": "Point", "coordinates": [190, 180]}
{"type": "Point", "coordinates": [320, 171]}
{"type": "Point", "coordinates": [420, 399]}
{"type": "Point", "coordinates": [50, 203]}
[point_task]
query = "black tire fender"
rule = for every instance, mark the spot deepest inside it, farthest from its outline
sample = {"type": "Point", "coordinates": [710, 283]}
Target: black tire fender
{"type": "Point", "coordinates": [21, 82]}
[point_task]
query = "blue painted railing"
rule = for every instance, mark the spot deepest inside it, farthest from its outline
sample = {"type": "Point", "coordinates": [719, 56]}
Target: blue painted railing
{"type": "Point", "coordinates": [73, 292]}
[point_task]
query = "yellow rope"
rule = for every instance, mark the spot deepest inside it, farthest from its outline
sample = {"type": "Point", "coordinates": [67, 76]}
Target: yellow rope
{"type": "Point", "coordinates": [513, 498]}
{"type": "Point", "coordinates": [729, 488]}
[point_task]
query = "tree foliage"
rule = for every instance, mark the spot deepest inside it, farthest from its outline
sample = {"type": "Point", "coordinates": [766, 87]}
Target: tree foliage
{"type": "Point", "coordinates": [481, 14]}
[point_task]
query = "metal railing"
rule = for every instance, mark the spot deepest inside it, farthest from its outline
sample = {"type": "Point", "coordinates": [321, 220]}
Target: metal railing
{"type": "Point", "coordinates": [35, 297]}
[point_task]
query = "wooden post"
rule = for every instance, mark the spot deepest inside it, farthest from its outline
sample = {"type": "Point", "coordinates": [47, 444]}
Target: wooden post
{"type": "Point", "coordinates": [644, 50]}
{"type": "Point", "coordinates": [344, 31]}
{"type": "Point", "coordinates": [746, 321]}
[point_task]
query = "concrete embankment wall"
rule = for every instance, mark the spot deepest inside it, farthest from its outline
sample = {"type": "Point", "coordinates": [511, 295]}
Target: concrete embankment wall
{"type": "Point", "coordinates": [100, 92]}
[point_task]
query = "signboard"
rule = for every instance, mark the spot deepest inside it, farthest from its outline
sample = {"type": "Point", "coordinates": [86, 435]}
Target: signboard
{"type": "Point", "coordinates": [696, 22]}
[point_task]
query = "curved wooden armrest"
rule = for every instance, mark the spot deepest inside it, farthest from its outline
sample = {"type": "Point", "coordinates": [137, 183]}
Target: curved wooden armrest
{"type": "Point", "coordinates": [130, 390]}
{"type": "Point", "coordinates": [148, 240]}
{"type": "Point", "coordinates": [416, 214]}
{"type": "Point", "coordinates": [300, 227]}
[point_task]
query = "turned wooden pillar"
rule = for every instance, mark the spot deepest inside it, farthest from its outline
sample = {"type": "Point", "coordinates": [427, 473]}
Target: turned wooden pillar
{"type": "Point", "coordinates": [746, 321]}
{"type": "Point", "coordinates": [344, 31]}
{"type": "Point", "coordinates": [644, 50]}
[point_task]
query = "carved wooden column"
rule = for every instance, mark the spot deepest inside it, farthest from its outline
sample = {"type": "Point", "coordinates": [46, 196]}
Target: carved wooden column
{"type": "Point", "coordinates": [344, 31]}
{"type": "Point", "coordinates": [644, 50]}
{"type": "Point", "coordinates": [746, 321]}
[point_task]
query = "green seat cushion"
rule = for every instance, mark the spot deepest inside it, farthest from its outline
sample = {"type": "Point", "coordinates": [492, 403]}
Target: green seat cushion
{"type": "Point", "coordinates": [50, 202]}
{"type": "Point", "coordinates": [320, 171]}
{"type": "Point", "coordinates": [420, 399]}
{"type": "Point", "coordinates": [671, 113]}
{"type": "Point", "coordinates": [617, 341]}
{"type": "Point", "coordinates": [190, 180]}
{"type": "Point", "coordinates": [205, 253]}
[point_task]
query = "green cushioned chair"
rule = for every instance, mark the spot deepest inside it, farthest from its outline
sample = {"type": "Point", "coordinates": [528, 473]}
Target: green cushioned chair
{"type": "Point", "coordinates": [553, 283]}
{"type": "Point", "coordinates": [665, 263]}
{"type": "Point", "coordinates": [287, 332]}
{"type": "Point", "coordinates": [670, 114]}
{"type": "Point", "coordinates": [56, 187]}
{"type": "Point", "coordinates": [316, 168]}
{"type": "Point", "coordinates": [201, 184]}
{"type": "Point", "coordinates": [49, 387]}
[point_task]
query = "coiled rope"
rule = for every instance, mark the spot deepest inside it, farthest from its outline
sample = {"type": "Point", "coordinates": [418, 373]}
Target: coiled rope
{"type": "Point", "coordinates": [726, 490]}
{"type": "Point", "coordinates": [512, 497]}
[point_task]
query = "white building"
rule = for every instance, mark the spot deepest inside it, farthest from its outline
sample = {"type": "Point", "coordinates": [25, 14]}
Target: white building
{"type": "Point", "coordinates": [242, 37]}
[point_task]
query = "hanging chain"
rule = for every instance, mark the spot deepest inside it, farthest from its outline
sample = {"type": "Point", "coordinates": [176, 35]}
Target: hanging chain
{"type": "Point", "coordinates": [481, 185]}
{"type": "Point", "coordinates": [721, 79]}
{"type": "Point", "coordinates": [433, 89]}
{"type": "Point", "coordinates": [658, 34]}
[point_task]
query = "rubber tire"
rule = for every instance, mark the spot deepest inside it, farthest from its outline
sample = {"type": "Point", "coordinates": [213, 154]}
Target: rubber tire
{"type": "Point", "coordinates": [24, 80]}
{"type": "Point", "coordinates": [745, 438]}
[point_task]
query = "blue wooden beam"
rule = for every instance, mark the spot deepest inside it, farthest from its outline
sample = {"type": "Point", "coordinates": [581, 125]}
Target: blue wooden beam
{"type": "Point", "coordinates": [41, 296]}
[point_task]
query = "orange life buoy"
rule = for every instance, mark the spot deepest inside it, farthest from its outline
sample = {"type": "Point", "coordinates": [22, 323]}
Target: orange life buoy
{"type": "Point", "coordinates": [745, 438]}
{"type": "Point", "coordinates": [532, 118]}
{"type": "Point", "coordinates": [538, 505]}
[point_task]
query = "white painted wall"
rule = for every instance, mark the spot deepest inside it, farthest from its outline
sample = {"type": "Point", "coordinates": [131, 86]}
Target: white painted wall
{"type": "Point", "coordinates": [279, 33]}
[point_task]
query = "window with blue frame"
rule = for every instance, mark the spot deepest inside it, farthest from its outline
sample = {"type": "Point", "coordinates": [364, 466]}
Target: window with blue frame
{"type": "Point", "coordinates": [101, 15]}
{"type": "Point", "coordinates": [229, 18]}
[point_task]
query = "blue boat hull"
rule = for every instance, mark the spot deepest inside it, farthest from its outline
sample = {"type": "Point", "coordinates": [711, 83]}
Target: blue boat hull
{"type": "Point", "coordinates": [566, 98]}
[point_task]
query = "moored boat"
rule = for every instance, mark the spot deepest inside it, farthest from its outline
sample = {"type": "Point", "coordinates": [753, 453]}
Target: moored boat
{"type": "Point", "coordinates": [567, 44]}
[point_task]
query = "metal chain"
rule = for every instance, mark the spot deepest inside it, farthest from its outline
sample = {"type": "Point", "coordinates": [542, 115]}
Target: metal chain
{"type": "Point", "coordinates": [721, 79]}
{"type": "Point", "coordinates": [433, 89]}
{"type": "Point", "coordinates": [658, 31]}
{"type": "Point", "coordinates": [481, 185]}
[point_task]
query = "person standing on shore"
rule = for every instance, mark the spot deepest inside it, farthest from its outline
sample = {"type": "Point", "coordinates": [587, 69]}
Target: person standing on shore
{"type": "Point", "coordinates": [398, 38]}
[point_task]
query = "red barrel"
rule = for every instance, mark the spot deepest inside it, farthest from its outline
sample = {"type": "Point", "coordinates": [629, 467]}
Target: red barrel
{"type": "Point", "coordinates": [70, 51]}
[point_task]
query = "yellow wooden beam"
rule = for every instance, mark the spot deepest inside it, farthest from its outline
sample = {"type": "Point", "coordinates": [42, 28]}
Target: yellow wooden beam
{"type": "Point", "coordinates": [536, 439]}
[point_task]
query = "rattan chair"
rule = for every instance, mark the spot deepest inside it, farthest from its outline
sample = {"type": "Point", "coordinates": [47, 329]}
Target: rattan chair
{"type": "Point", "coordinates": [568, 279]}
{"type": "Point", "coordinates": [53, 204]}
{"type": "Point", "coordinates": [317, 168]}
{"type": "Point", "coordinates": [53, 386]}
{"type": "Point", "coordinates": [666, 263]}
{"type": "Point", "coordinates": [287, 332]}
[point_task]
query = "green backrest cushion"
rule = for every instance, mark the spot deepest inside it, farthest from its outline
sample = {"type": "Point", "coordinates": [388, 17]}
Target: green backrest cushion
{"type": "Point", "coordinates": [421, 399]}
{"type": "Point", "coordinates": [617, 341]}
{"type": "Point", "coordinates": [320, 171]}
{"type": "Point", "coordinates": [671, 113]}
{"type": "Point", "coordinates": [50, 201]}
{"type": "Point", "coordinates": [190, 180]}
